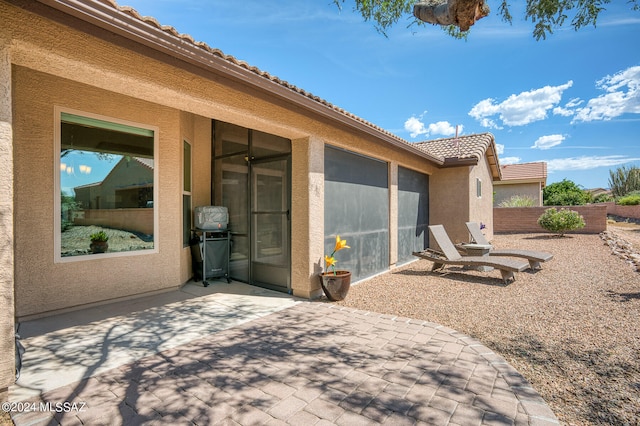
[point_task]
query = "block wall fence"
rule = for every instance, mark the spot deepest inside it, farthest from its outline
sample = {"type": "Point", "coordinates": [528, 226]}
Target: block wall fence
{"type": "Point", "coordinates": [631, 212]}
{"type": "Point", "coordinates": [525, 219]}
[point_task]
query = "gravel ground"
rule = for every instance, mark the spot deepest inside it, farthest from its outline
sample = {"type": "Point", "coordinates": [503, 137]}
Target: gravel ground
{"type": "Point", "coordinates": [76, 241]}
{"type": "Point", "coordinates": [572, 329]}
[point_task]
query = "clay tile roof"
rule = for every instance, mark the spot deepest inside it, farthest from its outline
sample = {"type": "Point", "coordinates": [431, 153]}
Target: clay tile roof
{"type": "Point", "coordinates": [185, 38]}
{"type": "Point", "coordinates": [147, 162]}
{"type": "Point", "coordinates": [462, 147]}
{"type": "Point", "coordinates": [525, 171]}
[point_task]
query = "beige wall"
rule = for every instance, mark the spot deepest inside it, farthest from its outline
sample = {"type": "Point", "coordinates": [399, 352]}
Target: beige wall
{"type": "Point", "coordinates": [449, 201]}
{"type": "Point", "coordinates": [196, 130]}
{"type": "Point", "coordinates": [55, 65]}
{"type": "Point", "coordinates": [453, 200]}
{"type": "Point", "coordinates": [7, 362]}
{"type": "Point", "coordinates": [505, 190]}
{"type": "Point", "coordinates": [480, 208]}
{"type": "Point", "coordinates": [41, 284]}
{"type": "Point", "coordinates": [307, 216]}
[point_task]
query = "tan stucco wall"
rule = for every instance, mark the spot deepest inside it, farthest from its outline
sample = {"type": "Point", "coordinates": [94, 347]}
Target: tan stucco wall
{"type": "Point", "coordinates": [505, 190]}
{"type": "Point", "coordinates": [481, 208]}
{"type": "Point", "coordinates": [196, 130]}
{"type": "Point", "coordinates": [41, 284]}
{"type": "Point", "coordinates": [453, 200]}
{"type": "Point", "coordinates": [60, 66]}
{"type": "Point", "coordinates": [307, 216]}
{"type": "Point", "coordinates": [7, 362]}
{"type": "Point", "coordinates": [449, 202]}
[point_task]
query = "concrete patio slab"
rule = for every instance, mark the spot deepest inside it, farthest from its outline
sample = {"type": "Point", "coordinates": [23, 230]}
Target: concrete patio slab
{"type": "Point", "coordinates": [65, 348]}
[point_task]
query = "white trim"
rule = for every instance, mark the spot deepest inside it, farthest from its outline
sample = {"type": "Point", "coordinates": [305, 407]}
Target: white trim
{"type": "Point", "coordinates": [183, 192]}
{"type": "Point", "coordinates": [57, 257]}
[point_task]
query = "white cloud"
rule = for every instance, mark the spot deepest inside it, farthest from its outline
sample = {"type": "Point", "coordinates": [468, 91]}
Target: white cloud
{"type": "Point", "coordinates": [443, 128]}
{"type": "Point", "coordinates": [587, 162]}
{"type": "Point", "coordinates": [575, 102]}
{"type": "Point", "coordinates": [521, 109]}
{"type": "Point", "coordinates": [500, 148]}
{"type": "Point", "coordinates": [549, 141]}
{"type": "Point", "coordinates": [416, 127]}
{"type": "Point", "coordinates": [622, 97]}
{"type": "Point", "coordinates": [509, 160]}
{"type": "Point", "coordinates": [565, 112]}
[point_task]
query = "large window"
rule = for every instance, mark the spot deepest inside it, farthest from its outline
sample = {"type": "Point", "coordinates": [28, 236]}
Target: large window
{"type": "Point", "coordinates": [413, 213]}
{"type": "Point", "coordinates": [356, 207]}
{"type": "Point", "coordinates": [105, 185]}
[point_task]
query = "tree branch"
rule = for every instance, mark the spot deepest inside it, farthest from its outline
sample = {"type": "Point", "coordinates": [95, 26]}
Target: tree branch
{"type": "Point", "coordinates": [460, 13]}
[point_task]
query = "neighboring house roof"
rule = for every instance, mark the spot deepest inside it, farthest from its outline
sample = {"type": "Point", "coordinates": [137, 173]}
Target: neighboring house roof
{"type": "Point", "coordinates": [127, 22]}
{"type": "Point", "coordinates": [525, 172]}
{"type": "Point", "coordinates": [88, 185]}
{"type": "Point", "coordinates": [598, 191]}
{"type": "Point", "coordinates": [147, 162]}
{"type": "Point", "coordinates": [464, 150]}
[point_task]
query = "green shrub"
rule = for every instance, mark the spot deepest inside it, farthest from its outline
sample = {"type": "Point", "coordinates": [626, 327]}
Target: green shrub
{"type": "Point", "coordinates": [624, 180]}
{"type": "Point", "coordinates": [603, 198]}
{"type": "Point", "coordinates": [99, 236]}
{"type": "Point", "coordinates": [518, 201]}
{"type": "Point", "coordinates": [565, 193]}
{"type": "Point", "coordinates": [561, 221]}
{"type": "Point", "coordinates": [629, 200]}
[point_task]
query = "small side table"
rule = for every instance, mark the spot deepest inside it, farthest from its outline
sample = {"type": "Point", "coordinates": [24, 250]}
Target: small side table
{"type": "Point", "coordinates": [479, 250]}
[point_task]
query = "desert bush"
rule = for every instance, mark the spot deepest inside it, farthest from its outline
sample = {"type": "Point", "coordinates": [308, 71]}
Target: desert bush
{"type": "Point", "coordinates": [629, 200]}
{"type": "Point", "coordinates": [518, 201]}
{"type": "Point", "coordinates": [623, 180]}
{"type": "Point", "coordinates": [603, 198]}
{"type": "Point", "coordinates": [565, 193]}
{"type": "Point", "coordinates": [561, 221]}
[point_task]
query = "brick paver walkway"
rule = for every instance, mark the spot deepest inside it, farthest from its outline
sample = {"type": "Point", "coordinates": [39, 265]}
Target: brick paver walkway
{"type": "Point", "coordinates": [311, 364]}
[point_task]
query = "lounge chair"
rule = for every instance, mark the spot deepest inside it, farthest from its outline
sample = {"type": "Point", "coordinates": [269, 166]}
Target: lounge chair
{"type": "Point", "coordinates": [451, 256]}
{"type": "Point", "coordinates": [534, 257]}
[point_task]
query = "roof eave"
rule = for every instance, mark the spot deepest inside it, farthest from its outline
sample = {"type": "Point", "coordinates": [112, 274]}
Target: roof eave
{"type": "Point", "coordinates": [111, 19]}
{"type": "Point", "coordinates": [458, 162]}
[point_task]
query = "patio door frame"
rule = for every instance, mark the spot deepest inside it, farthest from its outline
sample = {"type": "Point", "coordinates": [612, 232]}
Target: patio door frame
{"type": "Point", "coordinates": [250, 273]}
{"type": "Point", "coordinates": [256, 266]}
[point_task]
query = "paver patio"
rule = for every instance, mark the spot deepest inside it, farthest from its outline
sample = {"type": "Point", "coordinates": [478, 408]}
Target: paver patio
{"type": "Point", "coordinates": [309, 363]}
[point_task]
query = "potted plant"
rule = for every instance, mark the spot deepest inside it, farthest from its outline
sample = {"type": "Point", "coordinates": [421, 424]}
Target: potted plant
{"type": "Point", "coordinates": [335, 284]}
{"type": "Point", "coordinates": [99, 242]}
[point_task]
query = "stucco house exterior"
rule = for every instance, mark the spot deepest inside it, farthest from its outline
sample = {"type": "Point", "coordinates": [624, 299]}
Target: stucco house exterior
{"type": "Point", "coordinates": [91, 78]}
{"type": "Point", "coordinates": [467, 191]}
{"type": "Point", "coordinates": [522, 179]}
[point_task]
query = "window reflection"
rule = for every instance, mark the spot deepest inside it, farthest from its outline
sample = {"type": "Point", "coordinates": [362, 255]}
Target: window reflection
{"type": "Point", "coordinates": [106, 184]}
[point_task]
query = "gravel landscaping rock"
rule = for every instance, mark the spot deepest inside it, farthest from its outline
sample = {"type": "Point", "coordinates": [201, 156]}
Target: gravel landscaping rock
{"type": "Point", "coordinates": [572, 329]}
{"type": "Point", "coordinates": [76, 240]}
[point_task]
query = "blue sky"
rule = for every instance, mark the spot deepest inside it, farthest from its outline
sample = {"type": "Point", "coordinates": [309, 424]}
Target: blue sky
{"type": "Point", "coordinates": [572, 100]}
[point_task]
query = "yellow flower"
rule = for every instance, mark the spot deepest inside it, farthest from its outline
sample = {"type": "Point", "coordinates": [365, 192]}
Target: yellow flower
{"type": "Point", "coordinates": [340, 244]}
{"type": "Point", "coordinates": [329, 261]}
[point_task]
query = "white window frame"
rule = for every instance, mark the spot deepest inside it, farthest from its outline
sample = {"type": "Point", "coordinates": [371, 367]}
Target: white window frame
{"type": "Point", "coordinates": [185, 192]}
{"type": "Point", "coordinates": [58, 258]}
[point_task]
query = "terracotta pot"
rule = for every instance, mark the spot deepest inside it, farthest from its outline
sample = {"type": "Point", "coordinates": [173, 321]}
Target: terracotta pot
{"type": "Point", "coordinates": [336, 286]}
{"type": "Point", "coordinates": [99, 246]}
